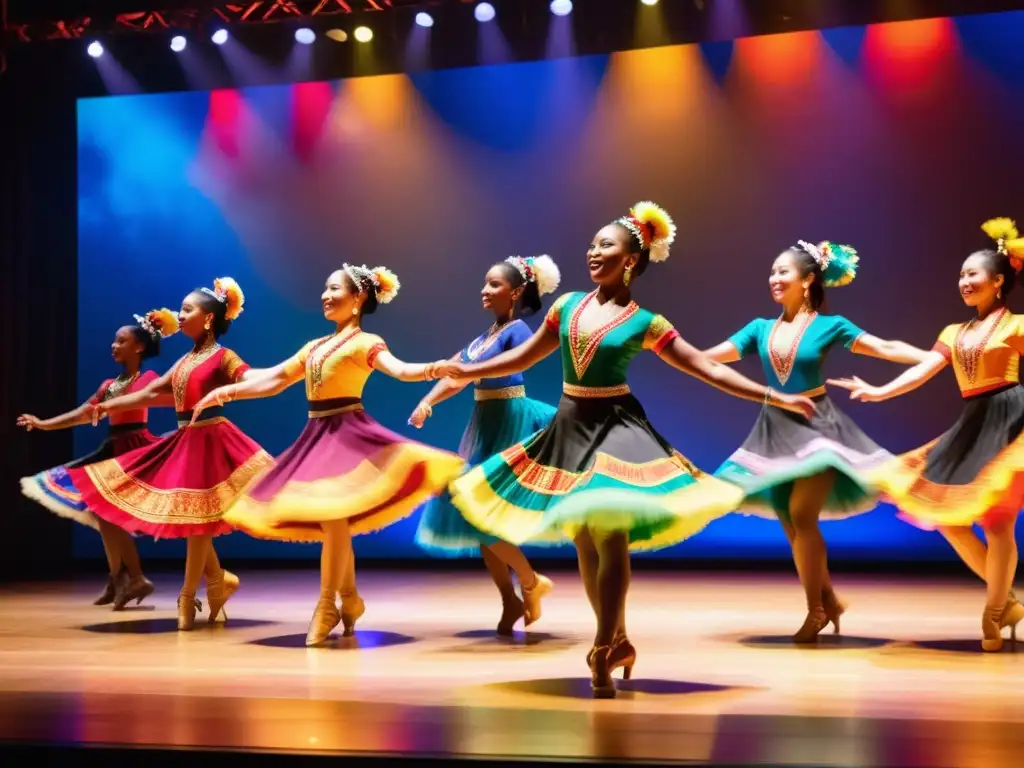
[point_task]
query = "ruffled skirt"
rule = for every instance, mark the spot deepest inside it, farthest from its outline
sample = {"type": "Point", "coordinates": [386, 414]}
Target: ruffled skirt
{"type": "Point", "coordinates": [784, 447]}
{"type": "Point", "coordinates": [974, 473]}
{"type": "Point", "coordinates": [53, 487]}
{"type": "Point", "coordinates": [343, 466]}
{"type": "Point", "coordinates": [494, 426]}
{"type": "Point", "coordinates": [599, 465]}
{"type": "Point", "coordinates": [177, 487]}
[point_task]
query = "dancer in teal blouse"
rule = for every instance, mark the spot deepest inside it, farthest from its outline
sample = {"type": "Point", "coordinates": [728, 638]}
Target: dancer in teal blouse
{"type": "Point", "coordinates": [600, 473]}
{"type": "Point", "coordinates": [798, 469]}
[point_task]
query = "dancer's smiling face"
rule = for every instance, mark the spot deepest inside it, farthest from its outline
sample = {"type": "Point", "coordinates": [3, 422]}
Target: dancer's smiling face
{"type": "Point", "coordinates": [498, 295]}
{"type": "Point", "coordinates": [340, 297]}
{"type": "Point", "coordinates": [610, 253]}
{"type": "Point", "coordinates": [785, 281]}
{"type": "Point", "coordinates": [193, 316]}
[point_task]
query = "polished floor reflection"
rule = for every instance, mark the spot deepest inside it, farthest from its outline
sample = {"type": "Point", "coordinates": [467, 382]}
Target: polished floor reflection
{"type": "Point", "coordinates": [717, 679]}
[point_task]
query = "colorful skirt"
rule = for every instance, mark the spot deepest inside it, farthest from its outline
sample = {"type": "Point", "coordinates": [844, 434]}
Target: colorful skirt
{"type": "Point", "coordinates": [343, 466]}
{"type": "Point", "coordinates": [180, 485]}
{"type": "Point", "coordinates": [784, 447]}
{"type": "Point", "coordinates": [53, 487]}
{"type": "Point", "coordinates": [599, 465]}
{"type": "Point", "coordinates": [974, 473]}
{"type": "Point", "coordinates": [495, 425]}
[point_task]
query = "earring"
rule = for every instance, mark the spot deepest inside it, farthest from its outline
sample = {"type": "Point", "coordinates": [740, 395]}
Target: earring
{"type": "Point", "coordinates": [627, 276]}
{"type": "Point", "coordinates": [999, 293]}
{"type": "Point", "coordinates": [355, 311]}
{"type": "Point", "coordinates": [207, 326]}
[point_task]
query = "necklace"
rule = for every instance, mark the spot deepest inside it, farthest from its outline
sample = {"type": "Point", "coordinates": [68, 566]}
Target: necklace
{"type": "Point", "coordinates": [121, 384]}
{"type": "Point", "coordinates": [969, 353]}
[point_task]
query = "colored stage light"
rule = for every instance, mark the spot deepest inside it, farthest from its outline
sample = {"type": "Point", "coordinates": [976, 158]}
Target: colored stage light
{"type": "Point", "coordinates": [484, 12]}
{"type": "Point", "coordinates": [178, 43]}
{"type": "Point", "coordinates": [220, 37]}
{"type": "Point", "coordinates": [95, 50]}
{"type": "Point", "coordinates": [424, 19]}
{"type": "Point", "coordinates": [305, 36]}
{"type": "Point", "coordinates": [561, 7]}
{"type": "Point", "coordinates": [649, 2]}
{"type": "Point", "coordinates": [363, 34]}
{"type": "Point", "coordinates": [337, 35]}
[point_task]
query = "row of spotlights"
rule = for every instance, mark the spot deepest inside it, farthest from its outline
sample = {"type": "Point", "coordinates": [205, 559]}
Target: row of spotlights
{"type": "Point", "coordinates": [307, 36]}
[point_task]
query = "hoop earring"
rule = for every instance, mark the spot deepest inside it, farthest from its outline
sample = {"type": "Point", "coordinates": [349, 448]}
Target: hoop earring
{"type": "Point", "coordinates": [627, 276]}
{"type": "Point", "coordinates": [207, 325]}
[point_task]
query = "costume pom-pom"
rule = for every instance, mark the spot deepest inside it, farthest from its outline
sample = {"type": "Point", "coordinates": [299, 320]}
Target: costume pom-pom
{"type": "Point", "coordinates": [164, 321]}
{"type": "Point", "coordinates": [1001, 228]}
{"type": "Point", "coordinates": [841, 268]}
{"type": "Point", "coordinates": [1015, 250]}
{"type": "Point", "coordinates": [231, 292]}
{"type": "Point", "coordinates": [546, 273]}
{"type": "Point", "coordinates": [659, 227]}
{"type": "Point", "coordinates": [386, 283]}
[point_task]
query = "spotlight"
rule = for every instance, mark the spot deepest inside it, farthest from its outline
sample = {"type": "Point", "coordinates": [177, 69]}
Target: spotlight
{"type": "Point", "coordinates": [305, 36]}
{"type": "Point", "coordinates": [220, 37]}
{"type": "Point", "coordinates": [95, 50]}
{"type": "Point", "coordinates": [424, 19]}
{"type": "Point", "coordinates": [561, 7]}
{"type": "Point", "coordinates": [649, 2]}
{"type": "Point", "coordinates": [363, 34]}
{"type": "Point", "coordinates": [178, 43]}
{"type": "Point", "coordinates": [337, 35]}
{"type": "Point", "coordinates": [484, 12]}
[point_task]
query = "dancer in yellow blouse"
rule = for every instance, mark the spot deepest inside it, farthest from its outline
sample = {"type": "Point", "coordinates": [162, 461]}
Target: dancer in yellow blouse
{"type": "Point", "coordinates": [974, 473]}
{"type": "Point", "coordinates": [345, 474]}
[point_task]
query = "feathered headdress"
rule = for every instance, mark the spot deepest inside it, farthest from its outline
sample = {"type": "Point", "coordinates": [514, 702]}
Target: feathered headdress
{"type": "Point", "coordinates": [381, 280]}
{"type": "Point", "coordinates": [541, 270]}
{"type": "Point", "coordinates": [158, 322]}
{"type": "Point", "coordinates": [1008, 240]}
{"type": "Point", "coordinates": [838, 263]}
{"type": "Point", "coordinates": [653, 228]}
{"type": "Point", "coordinates": [228, 292]}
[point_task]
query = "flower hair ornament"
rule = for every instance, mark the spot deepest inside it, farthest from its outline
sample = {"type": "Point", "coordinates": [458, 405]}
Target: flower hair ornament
{"type": "Point", "coordinates": [381, 280]}
{"type": "Point", "coordinates": [227, 292]}
{"type": "Point", "coordinates": [838, 263]}
{"type": "Point", "coordinates": [541, 270]}
{"type": "Point", "coordinates": [158, 323]}
{"type": "Point", "coordinates": [653, 228]}
{"type": "Point", "coordinates": [1008, 240]}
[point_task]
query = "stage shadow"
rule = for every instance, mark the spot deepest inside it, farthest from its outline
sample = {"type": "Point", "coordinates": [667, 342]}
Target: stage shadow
{"type": "Point", "coordinates": [579, 687]}
{"type": "Point", "coordinates": [824, 642]}
{"type": "Point", "coordinates": [970, 647]}
{"type": "Point", "coordinates": [360, 641]}
{"type": "Point", "coordinates": [159, 626]}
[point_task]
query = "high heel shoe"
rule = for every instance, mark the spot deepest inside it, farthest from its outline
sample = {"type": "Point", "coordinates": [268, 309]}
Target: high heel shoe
{"type": "Point", "coordinates": [325, 618]}
{"type": "Point", "coordinates": [603, 660]}
{"type": "Point", "coordinates": [542, 585]}
{"type": "Point", "coordinates": [992, 641]}
{"type": "Point", "coordinates": [137, 589]}
{"type": "Point", "coordinates": [187, 607]}
{"type": "Point", "coordinates": [109, 593]}
{"type": "Point", "coordinates": [833, 608]}
{"type": "Point", "coordinates": [511, 612]}
{"type": "Point", "coordinates": [1013, 614]}
{"type": "Point", "coordinates": [219, 591]}
{"type": "Point", "coordinates": [815, 622]}
{"type": "Point", "coordinates": [352, 609]}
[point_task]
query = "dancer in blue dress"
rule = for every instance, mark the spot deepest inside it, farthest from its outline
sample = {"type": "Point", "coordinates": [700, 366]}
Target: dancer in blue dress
{"type": "Point", "coordinates": [502, 417]}
{"type": "Point", "coordinates": [796, 469]}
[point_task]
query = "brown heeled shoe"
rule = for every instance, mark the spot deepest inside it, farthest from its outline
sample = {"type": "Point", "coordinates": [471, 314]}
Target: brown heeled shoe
{"type": "Point", "coordinates": [114, 583]}
{"type": "Point", "coordinates": [511, 612]}
{"type": "Point", "coordinates": [815, 622]}
{"type": "Point", "coordinates": [137, 589]}
{"type": "Point", "coordinates": [325, 618]}
{"type": "Point", "coordinates": [992, 640]}
{"type": "Point", "coordinates": [352, 609]}
{"type": "Point", "coordinates": [833, 608]}
{"type": "Point", "coordinates": [187, 607]}
{"type": "Point", "coordinates": [532, 596]}
{"type": "Point", "coordinates": [603, 660]}
{"type": "Point", "coordinates": [219, 591]}
{"type": "Point", "coordinates": [1013, 614]}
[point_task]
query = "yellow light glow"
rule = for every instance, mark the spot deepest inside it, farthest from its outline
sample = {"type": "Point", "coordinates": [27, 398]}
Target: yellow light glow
{"type": "Point", "coordinates": [363, 34]}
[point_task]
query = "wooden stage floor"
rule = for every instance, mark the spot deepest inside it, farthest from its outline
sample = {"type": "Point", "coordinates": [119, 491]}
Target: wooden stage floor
{"type": "Point", "coordinates": [717, 679]}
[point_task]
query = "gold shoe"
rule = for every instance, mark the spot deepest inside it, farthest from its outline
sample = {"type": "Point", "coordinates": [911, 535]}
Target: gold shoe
{"type": "Point", "coordinates": [815, 622]}
{"type": "Point", "coordinates": [187, 607]}
{"type": "Point", "coordinates": [219, 591]}
{"type": "Point", "coordinates": [992, 640]}
{"type": "Point", "coordinates": [137, 589]}
{"type": "Point", "coordinates": [352, 609]}
{"type": "Point", "coordinates": [325, 618]}
{"type": "Point", "coordinates": [542, 585]}
{"type": "Point", "coordinates": [1013, 614]}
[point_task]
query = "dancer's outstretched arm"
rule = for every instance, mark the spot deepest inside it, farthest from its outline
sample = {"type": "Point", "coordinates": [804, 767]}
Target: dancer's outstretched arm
{"type": "Point", "coordinates": [388, 364]}
{"type": "Point", "coordinates": [157, 393]}
{"type": "Point", "coordinates": [893, 350]}
{"type": "Point", "coordinates": [441, 391]}
{"type": "Point", "coordinates": [80, 415]}
{"type": "Point", "coordinates": [909, 380]}
{"type": "Point", "coordinates": [516, 360]}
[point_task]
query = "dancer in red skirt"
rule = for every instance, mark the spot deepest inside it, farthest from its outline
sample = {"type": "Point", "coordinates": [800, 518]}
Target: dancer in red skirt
{"type": "Point", "coordinates": [52, 488]}
{"type": "Point", "coordinates": [345, 474]}
{"type": "Point", "coordinates": [180, 486]}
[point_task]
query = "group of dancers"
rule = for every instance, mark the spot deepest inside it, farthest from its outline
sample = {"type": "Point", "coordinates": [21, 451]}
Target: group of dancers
{"type": "Point", "coordinates": [593, 471]}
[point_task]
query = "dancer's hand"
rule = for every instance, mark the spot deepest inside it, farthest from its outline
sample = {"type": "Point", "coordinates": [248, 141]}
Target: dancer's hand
{"type": "Point", "coordinates": [452, 370]}
{"type": "Point", "coordinates": [422, 412]}
{"type": "Point", "coordinates": [29, 422]}
{"type": "Point", "coordinates": [859, 389]}
{"type": "Point", "coordinates": [96, 412]}
{"type": "Point", "coordinates": [217, 397]}
{"type": "Point", "coordinates": [798, 404]}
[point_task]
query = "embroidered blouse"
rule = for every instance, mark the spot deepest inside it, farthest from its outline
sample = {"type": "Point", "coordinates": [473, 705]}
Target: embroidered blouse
{"type": "Point", "coordinates": [797, 368]}
{"type": "Point", "coordinates": [336, 366]}
{"type": "Point", "coordinates": [112, 388]}
{"type": "Point", "coordinates": [485, 346]}
{"type": "Point", "coordinates": [989, 358]}
{"type": "Point", "coordinates": [599, 359]}
{"type": "Point", "coordinates": [200, 372]}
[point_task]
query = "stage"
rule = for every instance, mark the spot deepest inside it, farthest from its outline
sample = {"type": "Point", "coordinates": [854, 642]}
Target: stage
{"type": "Point", "coordinates": [717, 680]}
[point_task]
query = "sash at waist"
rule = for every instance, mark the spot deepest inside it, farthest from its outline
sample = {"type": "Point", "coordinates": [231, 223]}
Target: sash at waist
{"type": "Point", "coordinates": [185, 417]}
{"type": "Point", "coordinates": [319, 409]}
{"type": "Point", "coordinates": [503, 393]}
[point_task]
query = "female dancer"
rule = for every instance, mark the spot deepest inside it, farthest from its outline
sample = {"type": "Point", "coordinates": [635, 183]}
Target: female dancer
{"type": "Point", "coordinates": [345, 474]}
{"type": "Point", "coordinates": [600, 473]}
{"type": "Point", "coordinates": [503, 416]}
{"type": "Point", "coordinates": [974, 473]}
{"type": "Point", "coordinates": [801, 470]}
{"type": "Point", "coordinates": [52, 488]}
{"type": "Point", "coordinates": [179, 486]}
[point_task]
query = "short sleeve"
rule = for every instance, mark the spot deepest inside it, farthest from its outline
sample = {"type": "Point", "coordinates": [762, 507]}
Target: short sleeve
{"type": "Point", "coordinates": [846, 332]}
{"type": "Point", "coordinates": [147, 378]}
{"type": "Point", "coordinates": [232, 365]}
{"type": "Point", "coordinates": [659, 334]}
{"type": "Point", "coordinates": [746, 338]}
{"type": "Point", "coordinates": [553, 319]}
{"type": "Point", "coordinates": [295, 366]}
{"type": "Point", "coordinates": [518, 334]}
{"type": "Point", "coordinates": [97, 398]}
{"type": "Point", "coordinates": [946, 341]}
{"type": "Point", "coordinates": [374, 346]}
{"type": "Point", "coordinates": [1016, 337]}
